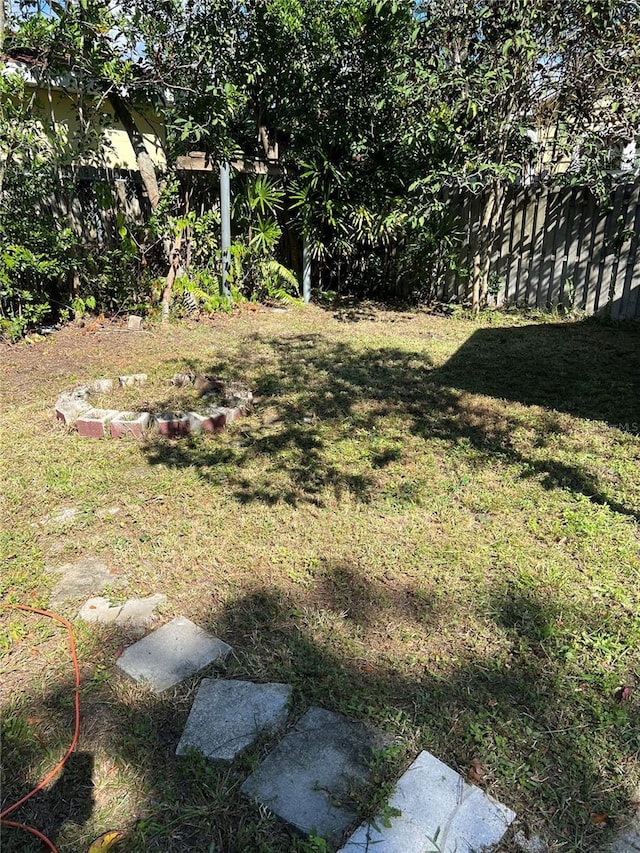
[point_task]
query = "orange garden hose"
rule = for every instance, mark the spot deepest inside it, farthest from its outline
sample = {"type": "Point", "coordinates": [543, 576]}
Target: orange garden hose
{"type": "Point", "coordinates": [33, 831]}
{"type": "Point", "coordinates": [74, 740]}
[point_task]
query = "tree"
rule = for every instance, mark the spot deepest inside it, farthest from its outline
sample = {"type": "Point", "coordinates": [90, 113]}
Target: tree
{"type": "Point", "coordinates": [36, 252]}
{"type": "Point", "coordinates": [378, 108]}
{"type": "Point", "coordinates": [332, 104]}
{"type": "Point", "coordinates": [493, 71]}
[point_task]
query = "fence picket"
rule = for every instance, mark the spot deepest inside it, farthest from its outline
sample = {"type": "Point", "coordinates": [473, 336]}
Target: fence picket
{"type": "Point", "coordinates": [518, 248]}
{"type": "Point", "coordinates": [629, 304]}
{"type": "Point", "coordinates": [533, 235]}
{"type": "Point", "coordinates": [507, 248]}
{"type": "Point", "coordinates": [576, 247]}
{"type": "Point", "coordinates": [624, 255]}
{"type": "Point", "coordinates": [558, 247]}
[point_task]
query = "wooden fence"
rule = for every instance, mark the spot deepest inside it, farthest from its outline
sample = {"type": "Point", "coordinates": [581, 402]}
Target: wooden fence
{"type": "Point", "coordinates": [557, 248]}
{"type": "Point", "coordinates": [554, 248]}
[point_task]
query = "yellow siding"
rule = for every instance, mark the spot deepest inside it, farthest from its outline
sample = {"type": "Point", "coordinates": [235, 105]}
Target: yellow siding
{"type": "Point", "coordinates": [58, 113]}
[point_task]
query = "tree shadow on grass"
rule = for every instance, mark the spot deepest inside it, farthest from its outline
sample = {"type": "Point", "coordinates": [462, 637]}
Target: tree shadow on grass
{"type": "Point", "coordinates": [548, 731]}
{"type": "Point", "coordinates": [325, 393]}
{"type": "Point", "coordinates": [523, 712]}
{"type": "Point", "coordinates": [70, 800]}
{"type": "Point", "coordinates": [586, 369]}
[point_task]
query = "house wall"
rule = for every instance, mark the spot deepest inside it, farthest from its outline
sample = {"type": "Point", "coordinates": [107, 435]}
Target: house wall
{"type": "Point", "coordinates": [554, 157]}
{"type": "Point", "coordinates": [58, 113]}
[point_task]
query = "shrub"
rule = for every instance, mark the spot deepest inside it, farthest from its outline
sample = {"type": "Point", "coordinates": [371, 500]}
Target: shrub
{"type": "Point", "coordinates": [36, 254]}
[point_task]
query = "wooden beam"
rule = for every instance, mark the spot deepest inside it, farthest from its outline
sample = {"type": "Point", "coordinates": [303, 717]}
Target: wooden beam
{"type": "Point", "coordinates": [197, 161]}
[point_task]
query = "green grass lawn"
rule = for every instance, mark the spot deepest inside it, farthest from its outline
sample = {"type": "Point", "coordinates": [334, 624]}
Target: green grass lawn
{"type": "Point", "coordinates": [429, 524]}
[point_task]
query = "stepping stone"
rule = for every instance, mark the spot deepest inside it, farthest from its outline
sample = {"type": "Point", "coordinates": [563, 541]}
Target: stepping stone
{"type": "Point", "coordinates": [628, 841]}
{"type": "Point", "coordinates": [171, 654]}
{"type": "Point", "coordinates": [228, 716]}
{"type": "Point", "coordinates": [439, 811]}
{"type": "Point", "coordinates": [309, 778]}
{"type": "Point", "coordinates": [134, 613]}
{"type": "Point", "coordinates": [87, 575]}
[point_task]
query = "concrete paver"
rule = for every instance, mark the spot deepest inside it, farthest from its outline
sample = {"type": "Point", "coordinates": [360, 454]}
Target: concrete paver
{"type": "Point", "coordinates": [438, 813]}
{"type": "Point", "coordinates": [172, 653]}
{"type": "Point", "coordinates": [228, 716]}
{"type": "Point", "coordinates": [310, 777]}
{"type": "Point", "coordinates": [81, 578]}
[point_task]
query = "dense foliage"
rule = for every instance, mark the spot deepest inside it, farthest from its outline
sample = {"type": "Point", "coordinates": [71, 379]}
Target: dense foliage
{"type": "Point", "coordinates": [376, 109]}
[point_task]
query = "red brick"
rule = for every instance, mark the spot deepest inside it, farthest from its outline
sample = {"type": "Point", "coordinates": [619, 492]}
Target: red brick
{"type": "Point", "coordinates": [95, 422]}
{"type": "Point", "coordinates": [233, 414]}
{"type": "Point", "coordinates": [213, 421]}
{"type": "Point", "coordinates": [172, 425]}
{"type": "Point", "coordinates": [133, 424]}
{"type": "Point", "coordinates": [68, 413]}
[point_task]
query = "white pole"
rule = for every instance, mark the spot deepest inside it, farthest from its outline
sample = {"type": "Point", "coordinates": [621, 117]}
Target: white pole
{"type": "Point", "coordinates": [306, 273]}
{"type": "Point", "coordinates": [225, 226]}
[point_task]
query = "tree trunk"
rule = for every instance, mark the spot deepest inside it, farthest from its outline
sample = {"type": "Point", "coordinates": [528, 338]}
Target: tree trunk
{"type": "Point", "coordinates": [486, 234]}
{"type": "Point", "coordinates": [171, 277]}
{"type": "Point", "coordinates": [270, 150]}
{"type": "Point", "coordinates": [144, 161]}
{"type": "Point", "coordinates": [150, 181]}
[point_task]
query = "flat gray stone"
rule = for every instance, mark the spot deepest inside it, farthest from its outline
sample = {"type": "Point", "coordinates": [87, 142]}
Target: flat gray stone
{"type": "Point", "coordinates": [139, 611]}
{"type": "Point", "coordinates": [182, 380]}
{"type": "Point", "coordinates": [439, 813]}
{"type": "Point", "coordinates": [628, 841]}
{"type": "Point", "coordinates": [62, 516]}
{"type": "Point", "coordinates": [87, 575]}
{"type": "Point", "coordinates": [100, 610]}
{"type": "Point", "coordinates": [238, 396]}
{"type": "Point", "coordinates": [80, 393]}
{"type": "Point", "coordinates": [309, 778]}
{"type": "Point", "coordinates": [135, 613]}
{"type": "Point", "coordinates": [132, 379]}
{"type": "Point", "coordinates": [228, 716]}
{"type": "Point", "coordinates": [171, 654]}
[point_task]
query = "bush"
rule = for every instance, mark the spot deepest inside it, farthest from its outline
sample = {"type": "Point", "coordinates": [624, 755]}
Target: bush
{"type": "Point", "coordinates": [36, 258]}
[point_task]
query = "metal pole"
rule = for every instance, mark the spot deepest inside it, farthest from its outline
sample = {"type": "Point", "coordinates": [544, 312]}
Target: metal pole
{"type": "Point", "coordinates": [306, 272]}
{"type": "Point", "coordinates": [225, 226]}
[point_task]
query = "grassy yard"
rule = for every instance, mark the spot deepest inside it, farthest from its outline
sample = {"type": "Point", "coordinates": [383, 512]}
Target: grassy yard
{"type": "Point", "coordinates": [429, 524]}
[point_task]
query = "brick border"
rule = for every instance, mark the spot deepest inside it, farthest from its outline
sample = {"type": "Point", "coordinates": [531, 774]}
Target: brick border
{"type": "Point", "coordinates": [75, 410]}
